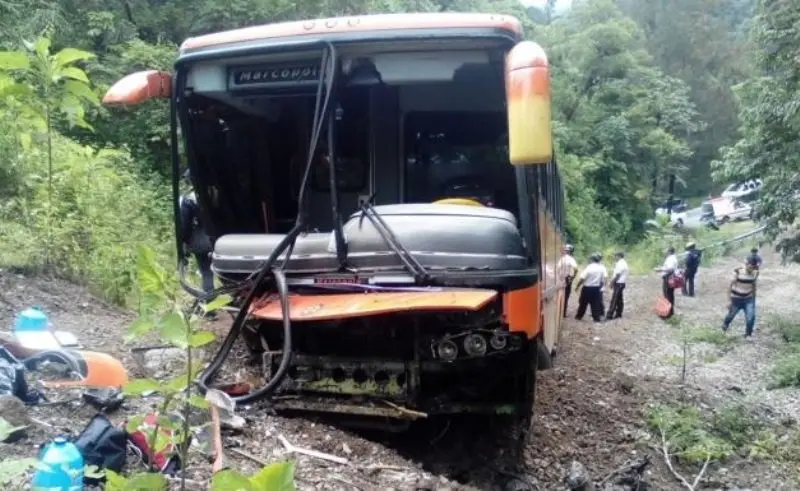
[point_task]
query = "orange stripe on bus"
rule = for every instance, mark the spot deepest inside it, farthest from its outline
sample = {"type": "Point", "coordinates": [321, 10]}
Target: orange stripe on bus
{"type": "Point", "coordinates": [521, 309]}
{"type": "Point", "coordinates": [348, 305]}
{"type": "Point", "coordinates": [364, 23]}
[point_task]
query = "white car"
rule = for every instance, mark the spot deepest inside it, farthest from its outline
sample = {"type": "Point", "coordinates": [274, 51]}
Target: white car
{"type": "Point", "coordinates": [741, 189]}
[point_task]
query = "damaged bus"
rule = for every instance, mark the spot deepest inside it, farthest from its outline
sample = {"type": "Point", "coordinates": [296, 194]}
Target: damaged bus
{"type": "Point", "coordinates": [382, 191]}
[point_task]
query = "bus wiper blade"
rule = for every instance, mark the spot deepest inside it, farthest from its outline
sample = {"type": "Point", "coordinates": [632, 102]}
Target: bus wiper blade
{"type": "Point", "coordinates": [409, 261]}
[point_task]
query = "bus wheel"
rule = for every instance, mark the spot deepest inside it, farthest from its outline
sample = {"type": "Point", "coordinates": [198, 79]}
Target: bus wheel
{"type": "Point", "coordinates": [544, 358]}
{"type": "Point", "coordinates": [527, 395]}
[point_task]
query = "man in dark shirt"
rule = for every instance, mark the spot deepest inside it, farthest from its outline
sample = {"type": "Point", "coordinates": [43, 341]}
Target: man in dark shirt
{"type": "Point", "coordinates": [693, 256]}
{"type": "Point", "coordinates": [195, 240]}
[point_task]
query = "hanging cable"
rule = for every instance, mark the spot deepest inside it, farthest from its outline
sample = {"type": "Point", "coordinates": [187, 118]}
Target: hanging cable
{"type": "Point", "coordinates": [327, 75]}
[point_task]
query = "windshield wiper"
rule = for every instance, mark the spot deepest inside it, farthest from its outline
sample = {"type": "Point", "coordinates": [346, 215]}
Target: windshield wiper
{"type": "Point", "coordinates": [409, 261]}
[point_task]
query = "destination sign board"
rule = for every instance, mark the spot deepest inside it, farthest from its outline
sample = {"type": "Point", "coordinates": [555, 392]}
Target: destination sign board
{"type": "Point", "coordinates": [275, 75]}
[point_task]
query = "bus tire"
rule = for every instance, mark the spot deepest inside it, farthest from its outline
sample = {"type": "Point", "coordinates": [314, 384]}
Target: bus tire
{"type": "Point", "coordinates": [544, 358]}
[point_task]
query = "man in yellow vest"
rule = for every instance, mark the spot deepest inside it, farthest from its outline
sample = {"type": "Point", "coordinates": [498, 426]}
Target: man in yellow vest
{"type": "Point", "coordinates": [743, 294]}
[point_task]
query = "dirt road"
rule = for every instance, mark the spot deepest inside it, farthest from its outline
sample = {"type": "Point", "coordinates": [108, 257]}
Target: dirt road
{"type": "Point", "coordinates": [591, 408]}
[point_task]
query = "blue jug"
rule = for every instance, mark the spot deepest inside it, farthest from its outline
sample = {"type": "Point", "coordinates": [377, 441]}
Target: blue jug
{"type": "Point", "coordinates": [32, 319]}
{"type": "Point", "coordinates": [60, 468]}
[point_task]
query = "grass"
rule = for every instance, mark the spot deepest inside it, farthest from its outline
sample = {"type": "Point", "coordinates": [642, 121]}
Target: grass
{"type": "Point", "coordinates": [694, 435]}
{"type": "Point", "coordinates": [786, 370]}
{"type": "Point", "coordinates": [649, 253]}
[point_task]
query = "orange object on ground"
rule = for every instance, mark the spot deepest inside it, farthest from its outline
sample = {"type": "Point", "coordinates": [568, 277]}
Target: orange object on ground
{"type": "Point", "coordinates": [98, 370]}
{"type": "Point", "coordinates": [348, 305]}
{"type": "Point", "coordinates": [662, 307]}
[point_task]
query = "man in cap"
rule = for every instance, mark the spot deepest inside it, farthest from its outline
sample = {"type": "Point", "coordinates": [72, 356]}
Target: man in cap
{"type": "Point", "coordinates": [693, 256]}
{"type": "Point", "coordinates": [591, 281]}
{"type": "Point", "coordinates": [567, 268]}
{"type": "Point", "coordinates": [618, 281]}
{"type": "Point", "coordinates": [743, 294]}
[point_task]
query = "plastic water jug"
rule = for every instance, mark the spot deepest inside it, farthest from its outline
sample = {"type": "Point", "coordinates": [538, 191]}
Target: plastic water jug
{"type": "Point", "coordinates": [60, 468]}
{"type": "Point", "coordinates": [32, 330]}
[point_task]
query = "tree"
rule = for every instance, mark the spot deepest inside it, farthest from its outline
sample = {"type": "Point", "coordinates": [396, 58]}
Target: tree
{"type": "Point", "coordinates": [770, 123]}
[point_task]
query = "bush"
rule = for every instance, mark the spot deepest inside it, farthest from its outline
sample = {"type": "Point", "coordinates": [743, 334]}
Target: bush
{"type": "Point", "coordinates": [101, 209]}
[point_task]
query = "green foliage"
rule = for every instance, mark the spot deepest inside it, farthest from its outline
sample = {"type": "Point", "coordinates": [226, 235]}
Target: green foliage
{"type": "Point", "coordinates": [770, 121]}
{"type": "Point", "coordinates": [786, 370]}
{"type": "Point", "coordinates": [68, 209]}
{"type": "Point", "coordinates": [693, 436]}
{"type": "Point", "coordinates": [13, 471]}
{"type": "Point", "coordinates": [164, 311]}
{"type": "Point", "coordinates": [710, 335]}
{"type": "Point", "coordinates": [275, 477]}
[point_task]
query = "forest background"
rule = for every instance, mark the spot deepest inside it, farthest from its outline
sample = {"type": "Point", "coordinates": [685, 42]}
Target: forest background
{"type": "Point", "coordinates": [705, 90]}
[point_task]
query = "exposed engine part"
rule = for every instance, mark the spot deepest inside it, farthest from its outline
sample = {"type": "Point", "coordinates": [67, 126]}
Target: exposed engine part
{"type": "Point", "coordinates": [475, 345]}
{"type": "Point", "coordinates": [447, 350]}
{"type": "Point", "coordinates": [499, 340]}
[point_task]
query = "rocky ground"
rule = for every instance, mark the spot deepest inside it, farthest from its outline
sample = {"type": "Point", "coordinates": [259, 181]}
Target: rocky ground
{"type": "Point", "coordinates": [590, 408]}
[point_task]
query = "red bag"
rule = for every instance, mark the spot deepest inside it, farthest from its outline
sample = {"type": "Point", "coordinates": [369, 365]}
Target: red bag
{"type": "Point", "coordinates": [167, 460]}
{"type": "Point", "coordinates": [676, 280]}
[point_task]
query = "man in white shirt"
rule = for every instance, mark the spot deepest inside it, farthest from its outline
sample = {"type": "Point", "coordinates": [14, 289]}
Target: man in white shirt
{"type": "Point", "coordinates": [668, 270]}
{"type": "Point", "coordinates": [591, 280]}
{"type": "Point", "coordinates": [567, 268]}
{"type": "Point", "coordinates": [618, 281]}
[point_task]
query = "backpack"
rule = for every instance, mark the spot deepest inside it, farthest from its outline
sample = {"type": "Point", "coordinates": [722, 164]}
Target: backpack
{"type": "Point", "coordinates": [103, 445]}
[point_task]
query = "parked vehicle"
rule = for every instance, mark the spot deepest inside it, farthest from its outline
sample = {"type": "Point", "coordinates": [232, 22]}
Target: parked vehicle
{"type": "Point", "coordinates": [724, 209]}
{"type": "Point", "coordinates": [742, 189]}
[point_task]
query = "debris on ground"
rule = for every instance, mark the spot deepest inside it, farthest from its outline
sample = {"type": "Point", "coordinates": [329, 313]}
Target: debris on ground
{"type": "Point", "coordinates": [589, 428]}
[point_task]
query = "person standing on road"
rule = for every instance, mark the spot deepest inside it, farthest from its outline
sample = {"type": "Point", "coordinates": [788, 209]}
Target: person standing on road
{"type": "Point", "coordinates": [668, 271]}
{"type": "Point", "coordinates": [743, 294]}
{"type": "Point", "coordinates": [618, 281]}
{"type": "Point", "coordinates": [591, 280]}
{"type": "Point", "coordinates": [693, 256]}
{"type": "Point", "coordinates": [195, 240]}
{"type": "Point", "coordinates": [567, 269]}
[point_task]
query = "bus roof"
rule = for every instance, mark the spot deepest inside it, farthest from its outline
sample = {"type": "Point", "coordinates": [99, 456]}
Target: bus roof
{"type": "Point", "coordinates": [362, 24]}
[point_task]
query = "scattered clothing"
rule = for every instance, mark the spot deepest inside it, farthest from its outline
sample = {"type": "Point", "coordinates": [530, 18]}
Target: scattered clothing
{"type": "Point", "coordinates": [620, 279]}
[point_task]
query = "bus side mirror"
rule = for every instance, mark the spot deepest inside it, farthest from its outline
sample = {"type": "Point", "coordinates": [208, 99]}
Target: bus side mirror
{"type": "Point", "coordinates": [139, 87]}
{"type": "Point", "coordinates": [530, 137]}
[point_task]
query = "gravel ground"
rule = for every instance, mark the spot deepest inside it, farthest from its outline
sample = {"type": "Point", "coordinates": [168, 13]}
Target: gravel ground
{"type": "Point", "coordinates": [589, 407]}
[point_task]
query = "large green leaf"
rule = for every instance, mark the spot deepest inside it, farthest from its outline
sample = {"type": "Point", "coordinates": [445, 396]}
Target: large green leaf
{"type": "Point", "coordinates": [173, 330]}
{"type": "Point", "coordinates": [71, 55]}
{"type": "Point", "coordinates": [275, 477]}
{"type": "Point", "coordinates": [12, 469]}
{"type": "Point", "coordinates": [74, 73]}
{"type": "Point", "coordinates": [141, 385]}
{"type": "Point", "coordinates": [231, 480]}
{"type": "Point", "coordinates": [80, 90]}
{"type": "Point", "coordinates": [42, 47]}
{"type": "Point", "coordinates": [14, 60]}
{"type": "Point", "coordinates": [201, 338]}
{"type": "Point", "coordinates": [147, 482]}
{"type": "Point", "coordinates": [217, 303]}
{"type": "Point", "coordinates": [139, 328]}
